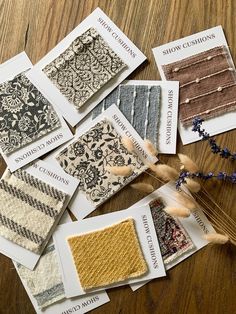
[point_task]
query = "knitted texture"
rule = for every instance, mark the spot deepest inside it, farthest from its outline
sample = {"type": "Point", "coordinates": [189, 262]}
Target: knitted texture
{"type": "Point", "coordinates": [25, 114]}
{"type": "Point", "coordinates": [84, 67]}
{"type": "Point", "coordinates": [207, 84]}
{"type": "Point", "coordinates": [140, 104]}
{"type": "Point", "coordinates": [107, 256]}
{"type": "Point", "coordinates": [28, 209]}
{"type": "Point", "coordinates": [44, 282]}
{"type": "Point", "coordinates": [87, 158]}
{"type": "Point", "coordinates": [173, 239]}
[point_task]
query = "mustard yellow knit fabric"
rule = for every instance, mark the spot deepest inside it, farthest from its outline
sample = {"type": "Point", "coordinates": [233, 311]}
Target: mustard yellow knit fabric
{"type": "Point", "coordinates": [108, 255]}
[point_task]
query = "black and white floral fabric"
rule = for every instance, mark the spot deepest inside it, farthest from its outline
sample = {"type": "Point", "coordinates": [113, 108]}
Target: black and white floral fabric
{"type": "Point", "coordinates": [25, 115]}
{"type": "Point", "coordinates": [84, 67]}
{"type": "Point", "coordinates": [87, 158]}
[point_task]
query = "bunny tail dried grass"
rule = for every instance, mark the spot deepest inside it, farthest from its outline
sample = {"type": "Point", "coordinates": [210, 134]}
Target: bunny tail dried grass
{"type": "Point", "coordinates": [177, 211]}
{"type": "Point", "coordinates": [164, 172]}
{"type": "Point", "coordinates": [186, 200]}
{"type": "Point", "coordinates": [143, 187]}
{"type": "Point", "coordinates": [123, 171]}
{"type": "Point", "coordinates": [128, 144]}
{"type": "Point", "coordinates": [216, 238]}
{"type": "Point", "coordinates": [150, 148]}
{"type": "Point", "coordinates": [192, 185]}
{"type": "Point", "coordinates": [188, 163]}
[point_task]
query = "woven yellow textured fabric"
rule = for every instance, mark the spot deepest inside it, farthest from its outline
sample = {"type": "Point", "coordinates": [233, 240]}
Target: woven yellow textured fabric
{"type": "Point", "coordinates": [108, 255]}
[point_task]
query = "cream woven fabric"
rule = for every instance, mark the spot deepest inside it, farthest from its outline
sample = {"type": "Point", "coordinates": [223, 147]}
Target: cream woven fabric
{"type": "Point", "coordinates": [28, 209]}
{"type": "Point", "coordinates": [44, 282]}
{"type": "Point", "coordinates": [107, 256]}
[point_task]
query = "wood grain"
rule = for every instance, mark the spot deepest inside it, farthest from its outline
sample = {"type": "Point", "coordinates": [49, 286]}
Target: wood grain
{"type": "Point", "coordinates": [206, 282]}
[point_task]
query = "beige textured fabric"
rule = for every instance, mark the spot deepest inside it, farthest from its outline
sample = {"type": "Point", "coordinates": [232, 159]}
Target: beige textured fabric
{"type": "Point", "coordinates": [28, 209]}
{"type": "Point", "coordinates": [44, 282]}
{"type": "Point", "coordinates": [107, 256]}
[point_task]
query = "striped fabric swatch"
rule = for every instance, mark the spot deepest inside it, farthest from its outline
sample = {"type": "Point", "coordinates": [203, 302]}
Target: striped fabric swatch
{"type": "Point", "coordinates": [108, 255]}
{"type": "Point", "coordinates": [173, 239]}
{"type": "Point", "coordinates": [44, 282]}
{"type": "Point", "coordinates": [87, 159]}
{"type": "Point", "coordinates": [140, 104]}
{"type": "Point", "coordinates": [207, 84]}
{"type": "Point", "coordinates": [84, 67]}
{"type": "Point", "coordinates": [29, 208]}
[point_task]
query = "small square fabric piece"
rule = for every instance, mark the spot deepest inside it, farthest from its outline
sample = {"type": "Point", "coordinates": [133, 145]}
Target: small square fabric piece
{"type": "Point", "coordinates": [86, 159]}
{"type": "Point", "coordinates": [173, 239]}
{"type": "Point", "coordinates": [140, 104]}
{"type": "Point", "coordinates": [44, 282]}
{"type": "Point", "coordinates": [25, 115]}
{"type": "Point", "coordinates": [107, 256]}
{"type": "Point", "coordinates": [84, 67]}
{"type": "Point", "coordinates": [207, 84]}
{"type": "Point", "coordinates": [28, 209]}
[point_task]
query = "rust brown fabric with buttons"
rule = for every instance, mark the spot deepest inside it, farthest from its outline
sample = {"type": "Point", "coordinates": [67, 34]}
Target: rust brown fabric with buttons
{"type": "Point", "coordinates": [207, 84]}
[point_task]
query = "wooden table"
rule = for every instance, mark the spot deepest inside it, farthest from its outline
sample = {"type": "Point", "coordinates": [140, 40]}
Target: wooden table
{"type": "Point", "coordinates": [206, 282]}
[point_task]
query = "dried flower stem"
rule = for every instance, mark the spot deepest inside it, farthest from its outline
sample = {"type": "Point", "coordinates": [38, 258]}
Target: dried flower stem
{"type": "Point", "coordinates": [216, 149]}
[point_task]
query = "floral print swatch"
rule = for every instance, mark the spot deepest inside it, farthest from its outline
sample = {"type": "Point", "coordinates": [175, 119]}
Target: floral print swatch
{"type": "Point", "coordinates": [87, 158]}
{"type": "Point", "coordinates": [140, 104]}
{"type": "Point", "coordinates": [25, 115]}
{"type": "Point", "coordinates": [173, 239]}
{"type": "Point", "coordinates": [207, 84]}
{"type": "Point", "coordinates": [84, 67]}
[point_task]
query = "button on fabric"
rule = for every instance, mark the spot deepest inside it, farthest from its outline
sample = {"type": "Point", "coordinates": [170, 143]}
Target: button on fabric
{"type": "Point", "coordinates": [215, 70]}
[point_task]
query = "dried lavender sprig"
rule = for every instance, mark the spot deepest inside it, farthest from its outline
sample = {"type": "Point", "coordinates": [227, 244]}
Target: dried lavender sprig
{"type": "Point", "coordinates": [216, 149]}
{"type": "Point", "coordinates": [204, 176]}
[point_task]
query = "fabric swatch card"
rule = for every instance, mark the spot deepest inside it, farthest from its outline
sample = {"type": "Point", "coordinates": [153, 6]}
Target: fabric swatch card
{"type": "Point", "coordinates": [29, 208]}
{"type": "Point", "coordinates": [33, 200]}
{"type": "Point", "coordinates": [107, 251]}
{"type": "Point", "coordinates": [141, 106]}
{"type": "Point", "coordinates": [86, 66]}
{"type": "Point", "coordinates": [30, 125]}
{"type": "Point", "coordinates": [45, 288]}
{"type": "Point", "coordinates": [173, 239]}
{"type": "Point", "coordinates": [203, 65]}
{"type": "Point", "coordinates": [95, 148]}
{"type": "Point", "coordinates": [88, 157]}
{"type": "Point", "coordinates": [178, 238]}
{"type": "Point", "coordinates": [152, 109]}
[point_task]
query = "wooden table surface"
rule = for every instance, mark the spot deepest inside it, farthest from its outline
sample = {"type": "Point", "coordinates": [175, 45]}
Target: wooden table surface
{"type": "Point", "coordinates": [206, 282]}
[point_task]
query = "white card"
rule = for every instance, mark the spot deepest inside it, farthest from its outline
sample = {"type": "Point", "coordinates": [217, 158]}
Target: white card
{"type": "Point", "coordinates": [196, 225]}
{"type": "Point", "coordinates": [186, 47]}
{"type": "Point", "coordinates": [58, 179]}
{"type": "Point", "coordinates": [119, 43]}
{"type": "Point", "coordinates": [44, 144]}
{"type": "Point", "coordinates": [79, 204]}
{"type": "Point", "coordinates": [79, 304]}
{"type": "Point", "coordinates": [147, 238]}
{"type": "Point", "coordinates": [168, 120]}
